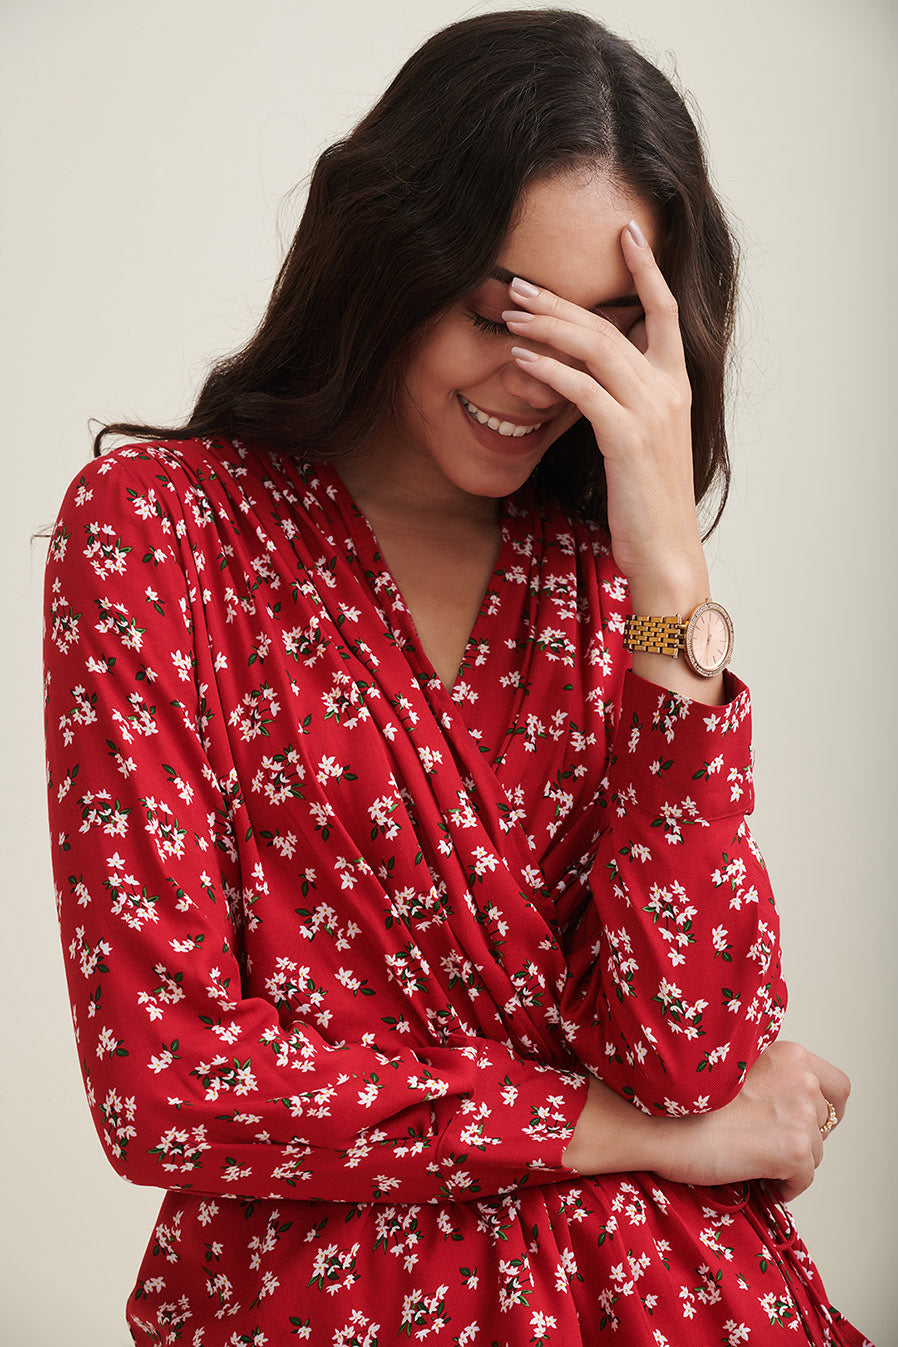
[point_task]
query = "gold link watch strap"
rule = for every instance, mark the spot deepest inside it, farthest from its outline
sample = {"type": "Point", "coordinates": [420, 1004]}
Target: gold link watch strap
{"type": "Point", "coordinates": [655, 635]}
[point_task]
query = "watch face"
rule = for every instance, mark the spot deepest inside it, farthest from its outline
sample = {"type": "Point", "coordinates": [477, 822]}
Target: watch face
{"type": "Point", "coordinates": [709, 639]}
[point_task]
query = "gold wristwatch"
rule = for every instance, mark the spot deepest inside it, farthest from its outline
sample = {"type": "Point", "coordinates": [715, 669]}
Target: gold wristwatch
{"type": "Point", "coordinates": [705, 637]}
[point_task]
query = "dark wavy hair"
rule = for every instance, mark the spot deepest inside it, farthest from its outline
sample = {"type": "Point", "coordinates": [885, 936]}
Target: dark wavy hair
{"type": "Point", "coordinates": [407, 215]}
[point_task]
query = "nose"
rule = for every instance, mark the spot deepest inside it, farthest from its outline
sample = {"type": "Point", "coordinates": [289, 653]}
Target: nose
{"type": "Point", "coordinates": [527, 388]}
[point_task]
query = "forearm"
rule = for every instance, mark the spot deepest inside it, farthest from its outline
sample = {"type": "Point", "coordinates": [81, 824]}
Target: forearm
{"type": "Point", "coordinates": [613, 1137]}
{"type": "Point", "coordinates": [675, 979]}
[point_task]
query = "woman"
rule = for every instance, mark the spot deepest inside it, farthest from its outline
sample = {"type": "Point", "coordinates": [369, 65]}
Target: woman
{"type": "Point", "coordinates": [416, 946]}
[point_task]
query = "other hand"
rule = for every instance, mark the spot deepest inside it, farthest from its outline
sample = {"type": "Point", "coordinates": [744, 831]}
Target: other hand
{"type": "Point", "coordinates": [771, 1130]}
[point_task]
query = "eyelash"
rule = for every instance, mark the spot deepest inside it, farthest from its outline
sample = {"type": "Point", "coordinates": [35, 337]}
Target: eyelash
{"type": "Point", "coordinates": [500, 330]}
{"type": "Point", "coordinates": [487, 325]}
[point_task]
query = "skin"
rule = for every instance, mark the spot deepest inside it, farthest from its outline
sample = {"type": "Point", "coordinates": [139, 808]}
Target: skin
{"type": "Point", "coordinates": [592, 331]}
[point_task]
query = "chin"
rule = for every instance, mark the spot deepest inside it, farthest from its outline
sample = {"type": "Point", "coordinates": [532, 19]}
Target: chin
{"type": "Point", "coordinates": [496, 480]}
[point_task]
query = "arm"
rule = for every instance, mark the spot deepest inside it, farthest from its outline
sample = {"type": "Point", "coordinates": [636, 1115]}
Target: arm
{"type": "Point", "coordinates": [706, 904]}
{"type": "Point", "coordinates": [193, 1083]}
{"type": "Point", "coordinates": [770, 1128]}
{"type": "Point", "coordinates": [676, 984]}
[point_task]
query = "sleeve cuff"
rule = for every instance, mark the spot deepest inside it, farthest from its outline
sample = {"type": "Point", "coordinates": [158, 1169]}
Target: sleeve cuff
{"type": "Point", "coordinates": [679, 759]}
{"type": "Point", "coordinates": [516, 1130]}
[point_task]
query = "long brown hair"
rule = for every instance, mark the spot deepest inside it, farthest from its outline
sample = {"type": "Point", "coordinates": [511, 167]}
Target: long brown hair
{"type": "Point", "coordinates": [406, 216]}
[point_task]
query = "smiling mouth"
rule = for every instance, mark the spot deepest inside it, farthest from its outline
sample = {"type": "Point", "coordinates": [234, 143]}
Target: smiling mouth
{"type": "Point", "coordinates": [509, 429]}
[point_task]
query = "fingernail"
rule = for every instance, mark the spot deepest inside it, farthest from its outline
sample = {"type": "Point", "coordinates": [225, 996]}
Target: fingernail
{"type": "Point", "coordinates": [524, 288]}
{"type": "Point", "coordinates": [521, 354]}
{"type": "Point", "coordinates": [637, 235]}
{"type": "Point", "coordinates": [515, 316]}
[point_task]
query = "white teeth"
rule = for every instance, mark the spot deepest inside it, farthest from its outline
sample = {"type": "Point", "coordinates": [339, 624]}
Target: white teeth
{"type": "Point", "coordinates": [506, 428]}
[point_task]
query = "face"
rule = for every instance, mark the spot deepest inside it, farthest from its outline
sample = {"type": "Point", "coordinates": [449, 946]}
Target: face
{"type": "Point", "coordinates": [566, 239]}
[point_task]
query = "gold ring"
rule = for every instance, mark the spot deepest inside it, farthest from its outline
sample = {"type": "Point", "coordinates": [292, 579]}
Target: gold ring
{"type": "Point", "coordinates": [831, 1119]}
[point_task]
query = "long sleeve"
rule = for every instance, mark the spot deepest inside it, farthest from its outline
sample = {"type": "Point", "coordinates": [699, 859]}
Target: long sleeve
{"type": "Point", "coordinates": [193, 1083]}
{"type": "Point", "coordinates": [676, 984]}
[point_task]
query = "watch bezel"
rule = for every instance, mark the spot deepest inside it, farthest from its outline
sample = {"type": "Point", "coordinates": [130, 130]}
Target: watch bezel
{"type": "Point", "coordinates": [695, 664]}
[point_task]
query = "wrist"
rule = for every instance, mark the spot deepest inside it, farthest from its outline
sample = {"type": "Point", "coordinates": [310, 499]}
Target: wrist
{"type": "Point", "coordinates": [612, 1136]}
{"type": "Point", "coordinates": [661, 600]}
{"type": "Point", "coordinates": [671, 589]}
{"type": "Point", "coordinates": [684, 1156]}
{"type": "Point", "coordinates": [705, 1149]}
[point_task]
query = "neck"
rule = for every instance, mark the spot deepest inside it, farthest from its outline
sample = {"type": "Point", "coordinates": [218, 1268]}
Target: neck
{"type": "Point", "coordinates": [409, 485]}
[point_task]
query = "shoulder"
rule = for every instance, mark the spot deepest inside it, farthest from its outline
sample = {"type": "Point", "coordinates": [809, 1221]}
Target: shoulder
{"type": "Point", "coordinates": [192, 479]}
{"type": "Point", "coordinates": [153, 463]}
{"type": "Point", "coordinates": [146, 501]}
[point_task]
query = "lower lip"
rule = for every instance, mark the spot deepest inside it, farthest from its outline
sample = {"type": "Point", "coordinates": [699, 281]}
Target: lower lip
{"type": "Point", "coordinates": [507, 444]}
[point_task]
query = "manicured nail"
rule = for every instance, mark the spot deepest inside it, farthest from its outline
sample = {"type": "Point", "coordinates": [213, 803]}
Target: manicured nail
{"type": "Point", "coordinates": [516, 316]}
{"type": "Point", "coordinates": [637, 235]}
{"type": "Point", "coordinates": [524, 288]}
{"type": "Point", "coordinates": [521, 354]}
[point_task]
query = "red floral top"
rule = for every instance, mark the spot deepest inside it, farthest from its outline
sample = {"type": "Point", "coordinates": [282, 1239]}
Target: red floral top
{"type": "Point", "coordinates": [342, 945]}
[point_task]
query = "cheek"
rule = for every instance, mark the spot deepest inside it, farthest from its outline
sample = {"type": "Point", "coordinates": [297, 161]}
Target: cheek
{"type": "Point", "coordinates": [432, 368]}
{"type": "Point", "coordinates": [459, 357]}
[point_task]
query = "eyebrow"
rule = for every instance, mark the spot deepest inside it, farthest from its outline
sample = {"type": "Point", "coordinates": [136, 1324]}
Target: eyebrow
{"type": "Point", "coordinates": [619, 302]}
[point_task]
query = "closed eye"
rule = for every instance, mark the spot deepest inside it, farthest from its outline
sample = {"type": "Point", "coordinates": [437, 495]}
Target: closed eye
{"type": "Point", "coordinates": [487, 325]}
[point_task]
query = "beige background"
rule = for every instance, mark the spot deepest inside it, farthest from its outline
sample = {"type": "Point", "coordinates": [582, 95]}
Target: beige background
{"type": "Point", "coordinates": [148, 150]}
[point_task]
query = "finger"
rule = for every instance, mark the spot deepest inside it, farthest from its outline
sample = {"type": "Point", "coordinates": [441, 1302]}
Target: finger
{"type": "Point", "coordinates": [541, 302]}
{"type": "Point", "coordinates": [600, 347]}
{"type": "Point", "coordinates": [575, 385]}
{"type": "Point", "coordinates": [797, 1183]}
{"type": "Point", "coordinates": [835, 1086]}
{"type": "Point", "coordinates": [662, 322]}
{"type": "Point", "coordinates": [532, 303]}
{"type": "Point", "coordinates": [837, 1091]}
{"type": "Point", "coordinates": [790, 1189]}
{"type": "Point", "coordinates": [830, 1122]}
